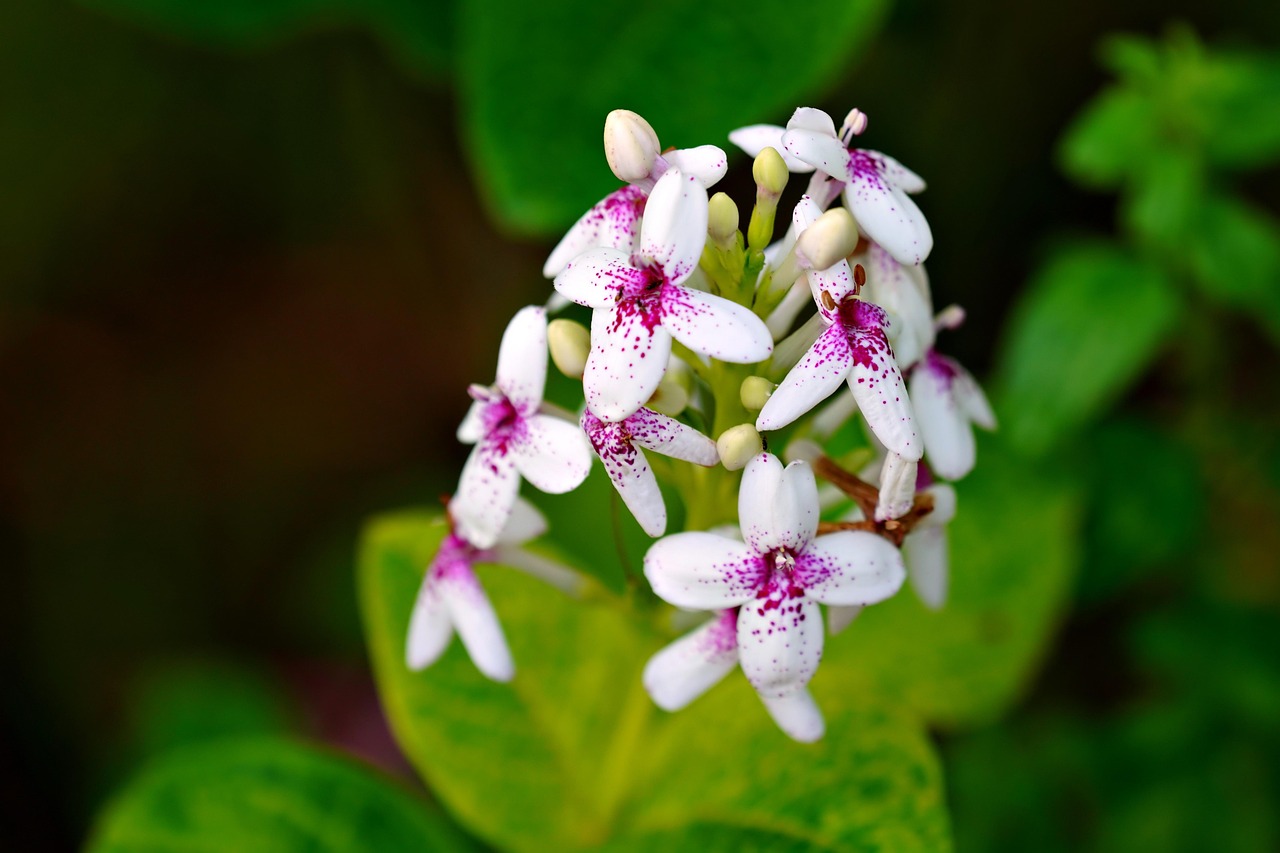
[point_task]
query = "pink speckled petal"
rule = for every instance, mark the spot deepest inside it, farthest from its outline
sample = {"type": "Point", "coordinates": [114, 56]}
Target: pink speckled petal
{"type": "Point", "coordinates": [903, 292]}
{"type": "Point", "coordinates": [707, 163]}
{"type": "Point", "coordinates": [898, 174]}
{"type": "Point", "coordinates": [430, 628]}
{"type": "Point", "coordinates": [824, 152]}
{"type": "Point", "coordinates": [628, 470]}
{"type": "Point", "coordinates": [613, 223]}
{"type": "Point", "coordinates": [777, 506]}
{"type": "Point", "coordinates": [814, 378]}
{"type": "Point", "coordinates": [693, 664]}
{"type": "Point", "coordinates": [669, 437]}
{"type": "Point", "coordinates": [477, 624]}
{"type": "Point", "coordinates": [629, 354]}
{"type": "Point", "coordinates": [522, 358]}
{"type": "Point", "coordinates": [925, 553]}
{"type": "Point", "coordinates": [486, 493]}
{"type": "Point", "coordinates": [885, 213]}
{"type": "Point", "coordinates": [779, 641]}
{"type": "Point", "coordinates": [471, 429]}
{"type": "Point", "coordinates": [881, 393]}
{"type": "Point", "coordinates": [811, 118]}
{"type": "Point", "coordinates": [525, 523]}
{"type": "Point", "coordinates": [797, 715]}
{"type": "Point", "coordinates": [596, 278]}
{"type": "Point", "coordinates": [839, 618]}
{"type": "Point", "coordinates": [944, 426]}
{"type": "Point", "coordinates": [703, 571]}
{"type": "Point", "coordinates": [552, 454]}
{"type": "Point", "coordinates": [714, 326]}
{"type": "Point", "coordinates": [675, 225]}
{"type": "Point", "coordinates": [850, 567]}
{"type": "Point", "coordinates": [757, 137]}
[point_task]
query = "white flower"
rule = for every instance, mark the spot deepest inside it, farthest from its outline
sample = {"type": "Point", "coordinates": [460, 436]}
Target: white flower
{"type": "Point", "coordinates": [875, 185]}
{"type": "Point", "coordinates": [614, 222]}
{"type": "Point", "coordinates": [618, 446]}
{"type": "Point", "coordinates": [777, 577]}
{"type": "Point", "coordinates": [854, 347]}
{"type": "Point", "coordinates": [513, 438]}
{"type": "Point", "coordinates": [640, 303]}
{"type": "Point", "coordinates": [451, 597]}
{"type": "Point", "coordinates": [903, 292]}
{"type": "Point", "coordinates": [947, 401]}
{"type": "Point", "coordinates": [924, 550]}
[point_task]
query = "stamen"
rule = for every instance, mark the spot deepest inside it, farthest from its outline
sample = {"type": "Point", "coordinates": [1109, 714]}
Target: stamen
{"type": "Point", "coordinates": [859, 278]}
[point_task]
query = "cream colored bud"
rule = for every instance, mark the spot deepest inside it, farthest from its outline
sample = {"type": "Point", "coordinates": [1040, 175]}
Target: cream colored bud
{"type": "Point", "coordinates": [897, 487]}
{"type": "Point", "coordinates": [951, 317]}
{"type": "Point", "coordinates": [833, 237]}
{"type": "Point", "coordinates": [670, 398]}
{"type": "Point", "coordinates": [770, 172]}
{"type": "Point", "coordinates": [570, 344]}
{"type": "Point", "coordinates": [738, 445]}
{"type": "Point", "coordinates": [722, 220]}
{"type": "Point", "coordinates": [755, 392]}
{"type": "Point", "coordinates": [630, 145]}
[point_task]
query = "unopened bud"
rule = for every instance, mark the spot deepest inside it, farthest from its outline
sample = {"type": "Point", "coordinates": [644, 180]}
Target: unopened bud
{"type": "Point", "coordinates": [570, 344]}
{"type": "Point", "coordinates": [770, 172]}
{"type": "Point", "coordinates": [755, 392]}
{"type": "Point", "coordinates": [670, 398]}
{"type": "Point", "coordinates": [722, 220]}
{"type": "Point", "coordinates": [630, 145]}
{"type": "Point", "coordinates": [833, 237]}
{"type": "Point", "coordinates": [738, 445]}
{"type": "Point", "coordinates": [897, 487]}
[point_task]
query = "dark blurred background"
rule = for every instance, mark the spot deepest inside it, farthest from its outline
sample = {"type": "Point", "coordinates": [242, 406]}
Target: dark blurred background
{"type": "Point", "coordinates": [243, 291]}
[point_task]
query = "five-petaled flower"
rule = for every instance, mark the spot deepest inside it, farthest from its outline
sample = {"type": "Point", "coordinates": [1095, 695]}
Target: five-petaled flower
{"type": "Point", "coordinates": [618, 446]}
{"type": "Point", "coordinates": [640, 303]}
{"type": "Point", "coordinates": [451, 597]}
{"type": "Point", "coordinates": [777, 577]}
{"type": "Point", "coordinates": [513, 437]}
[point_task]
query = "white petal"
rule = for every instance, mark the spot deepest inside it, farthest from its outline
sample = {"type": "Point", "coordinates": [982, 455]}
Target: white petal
{"type": "Point", "coordinates": [944, 426]}
{"type": "Point", "coordinates": [703, 571]}
{"type": "Point", "coordinates": [777, 507]}
{"type": "Point", "coordinates": [970, 397]}
{"type": "Point", "coordinates": [944, 506]}
{"type": "Point", "coordinates": [629, 354]}
{"type": "Point", "coordinates": [693, 664]}
{"type": "Point", "coordinates": [805, 213]}
{"type": "Point", "coordinates": [595, 279]}
{"type": "Point", "coordinates": [477, 624]}
{"type": "Point", "coordinates": [522, 357]}
{"type": "Point", "coordinates": [714, 326]}
{"type": "Point", "coordinates": [897, 487]}
{"type": "Point", "coordinates": [429, 627]}
{"type": "Point", "coordinates": [757, 137]}
{"type": "Point", "coordinates": [811, 381]}
{"type": "Point", "coordinates": [826, 153]}
{"type": "Point", "coordinates": [811, 118]}
{"type": "Point", "coordinates": [524, 524]}
{"type": "Point", "coordinates": [850, 567]}
{"type": "Point", "coordinates": [925, 552]}
{"type": "Point", "coordinates": [877, 382]}
{"type": "Point", "coordinates": [841, 617]}
{"type": "Point", "coordinates": [899, 290]}
{"type": "Point", "coordinates": [675, 225]}
{"type": "Point", "coordinates": [885, 213]}
{"type": "Point", "coordinates": [471, 429]}
{"type": "Point", "coordinates": [898, 174]}
{"type": "Point", "coordinates": [486, 493]}
{"type": "Point", "coordinates": [784, 316]}
{"type": "Point", "coordinates": [543, 568]}
{"type": "Point", "coordinates": [779, 642]}
{"type": "Point", "coordinates": [797, 715]}
{"type": "Point", "coordinates": [613, 223]}
{"type": "Point", "coordinates": [552, 454]}
{"type": "Point", "coordinates": [669, 437]}
{"type": "Point", "coordinates": [707, 163]}
{"type": "Point", "coordinates": [628, 470]}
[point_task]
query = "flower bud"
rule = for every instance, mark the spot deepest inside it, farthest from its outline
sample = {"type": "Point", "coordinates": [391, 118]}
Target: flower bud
{"type": "Point", "coordinates": [770, 173]}
{"type": "Point", "coordinates": [670, 398]}
{"type": "Point", "coordinates": [570, 344]}
{"type": "Point", "coordinates": [722, 220]}
{"type": "Point", "coordinates": [897, 487]}
{"type": "Point", "coordinates": [833, 237]}
{"type": "Point", "coordinates": [630, 145]}
{"type": "Point", "coordinates": [755, 392]}
{"type": "Point", "coordinates": [738, 445]}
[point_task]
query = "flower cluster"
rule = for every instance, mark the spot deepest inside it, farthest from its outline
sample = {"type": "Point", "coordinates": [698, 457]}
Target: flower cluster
{"type": "Point", "coordinates": [696, 328]}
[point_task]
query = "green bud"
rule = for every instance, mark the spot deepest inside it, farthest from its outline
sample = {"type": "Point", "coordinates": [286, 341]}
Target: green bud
{"type": "Point", "coordinates": [755, 392]}
{"type": "Point", "coordinates": [770, 172]}
{"type": "Point", "coordinates": [722, 220]}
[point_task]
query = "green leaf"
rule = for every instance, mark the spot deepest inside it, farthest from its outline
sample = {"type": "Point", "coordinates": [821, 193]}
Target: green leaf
{"type": "Point", "coordinates": [418, 33]}
{"type": "Point", "coordinates": [1088, 325]}
{"type": "Point", "coordinates": [1114, 135]}
{"type": "Point", "coordinates": [1014, 548]}
{"type": "Point", "coordinates": [573, 754]}
{"type": "Point", "coordinates": [539, 79]}
{"type": "Point", "coordinates": [1165, 194]}
{"type": "Point", "coordinates": [273, 795]}
{"type": "Point", "coordinates": [1235, 258]}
